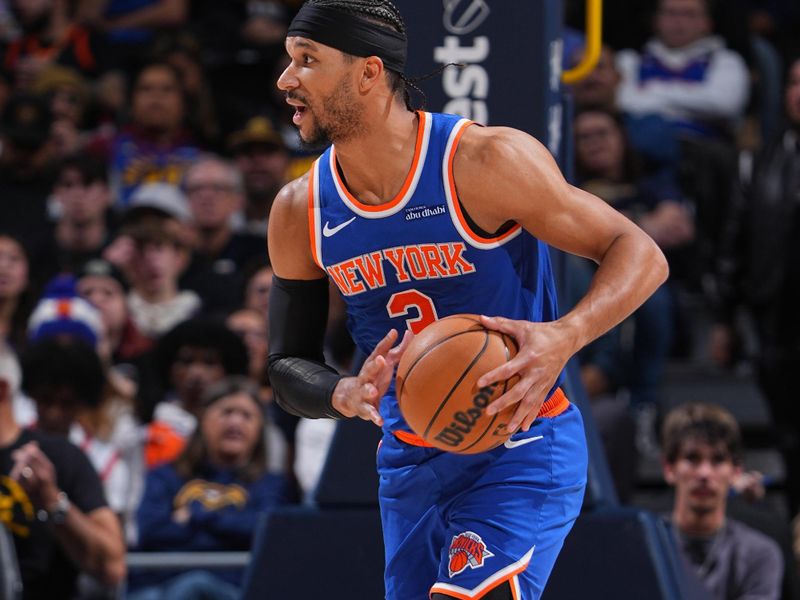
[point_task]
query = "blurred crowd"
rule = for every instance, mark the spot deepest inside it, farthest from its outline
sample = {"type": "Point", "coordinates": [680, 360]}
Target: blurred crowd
{"type": "Point", "coordinates": [689, 125]}
{"type": "Point", "coordinates": [141, 145]}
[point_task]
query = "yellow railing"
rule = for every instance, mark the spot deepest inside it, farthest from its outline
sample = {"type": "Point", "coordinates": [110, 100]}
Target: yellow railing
{"type": "Point", "coordinates": [594, 40]}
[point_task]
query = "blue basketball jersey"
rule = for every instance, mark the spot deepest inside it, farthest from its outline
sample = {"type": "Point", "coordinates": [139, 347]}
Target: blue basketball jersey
{"type": "Point", "coordinates": [415, 258]}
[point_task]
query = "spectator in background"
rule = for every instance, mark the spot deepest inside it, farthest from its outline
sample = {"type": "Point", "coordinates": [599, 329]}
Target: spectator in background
{"type": "Point", "coordinates": [15, 294]}
{"type": "Point", "coordinates": [601, 371]}
{"type": "Point", "coordinates": [69, 97]}
{"type": "Point", "coordinates": [251, 326]}
{"type": "Point", "coordinates": [153, 250]}
{"type": "Point", "coordinates": [210, 497]}
{"type": "Point", "coordinates": [80, 203]}
{"type": "Point", "coordinates": [263, 159]}
{"type": "Point", "coordinates": [77, 394]}
{"type": "Point", "coordinates": [221, 255]}
{"type": "Point", "coordinates": [53, 505]}
{"type": "Point", "coordinates": [685, 75]}
{"type": "Point", "coordinates": [778, 21]}
{"type": "Point", "coordinates": [130, 27]}
{"type": "Point", "coordinates": [104, 286]}
{"type": "Point", "coordinates": [650, 134]}
{"type": "Point", "coordinates": [189, 358]}
{"type": "Point", "coordinates": [599, 88]}
{"type": "Point", "coordinates": [759, 270]}
{"type": "Point", "coordinates": [702, 457]}
{"type": "Point", "coordinates": [25, 163]}
{"type": "Point", "coordinates": [606, 166]}
{"type": "Point", "coordinates": [50, 36]}
{"type": "Point", "coordinates": [8, 26]}
{"type": "Point", "coordinates": [156, 146]}
{"type": "Point", "coordinates": [256, 292]}
{"type": "Point", "coordinates": [182, 51]}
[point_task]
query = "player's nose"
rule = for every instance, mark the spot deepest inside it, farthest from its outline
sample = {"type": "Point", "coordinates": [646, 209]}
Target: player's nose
{"type": "Point", "coordinates": [288, 80]}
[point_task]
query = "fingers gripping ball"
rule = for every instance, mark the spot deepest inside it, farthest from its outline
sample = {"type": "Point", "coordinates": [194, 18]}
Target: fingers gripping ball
{"type": "Point", "coordinates": [436, 385]}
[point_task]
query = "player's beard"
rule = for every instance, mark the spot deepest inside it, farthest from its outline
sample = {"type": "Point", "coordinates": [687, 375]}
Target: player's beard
{"type": "Point", "coordinates": [338, 120]}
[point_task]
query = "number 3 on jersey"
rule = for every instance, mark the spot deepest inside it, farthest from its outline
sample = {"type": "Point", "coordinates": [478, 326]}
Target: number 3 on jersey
{"type": "Point", "coordinates": [401, 303]}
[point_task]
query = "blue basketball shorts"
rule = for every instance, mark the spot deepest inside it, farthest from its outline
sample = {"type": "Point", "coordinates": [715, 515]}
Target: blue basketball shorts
{"type": "Point", "coordinates": [462, 525]}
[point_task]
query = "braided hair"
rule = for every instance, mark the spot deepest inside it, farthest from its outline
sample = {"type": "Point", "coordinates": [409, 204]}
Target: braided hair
{"type": "Point", "coordinates": [384, 14]}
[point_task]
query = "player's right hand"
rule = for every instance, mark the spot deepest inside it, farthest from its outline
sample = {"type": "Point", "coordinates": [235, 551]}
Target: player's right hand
{"type": "Point", "coordinates": [360, 396]}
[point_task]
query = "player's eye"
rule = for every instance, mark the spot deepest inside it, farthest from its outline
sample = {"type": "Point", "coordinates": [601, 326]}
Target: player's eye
{"type": "Point", "coordinates": [308, 59]}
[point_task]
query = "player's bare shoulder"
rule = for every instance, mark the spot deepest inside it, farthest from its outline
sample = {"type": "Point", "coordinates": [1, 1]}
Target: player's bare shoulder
{"type": "Point", "coordinates": [291, 200]}
{"type": "Point", "coordinates": [506, 164]}
{"type": "Point", "coordinates": [288, 236]}
{"type": "Point", "coordinates": [491, 147]}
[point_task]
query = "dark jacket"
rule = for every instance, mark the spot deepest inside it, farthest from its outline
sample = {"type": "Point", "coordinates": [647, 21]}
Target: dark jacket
{"type": "Point", "coordinates": [758, 259]}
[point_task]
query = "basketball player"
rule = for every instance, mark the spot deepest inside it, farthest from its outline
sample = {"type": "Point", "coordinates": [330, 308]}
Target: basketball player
{"type": "Point", "coordinates": [416, 216]}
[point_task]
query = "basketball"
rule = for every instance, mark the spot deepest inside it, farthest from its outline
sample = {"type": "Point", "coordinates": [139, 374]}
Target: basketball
{"type": "Point", "coordinates": [436, 385]}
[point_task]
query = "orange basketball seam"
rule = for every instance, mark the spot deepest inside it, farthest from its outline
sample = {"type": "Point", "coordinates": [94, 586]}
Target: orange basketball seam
{"type": "Point", "coordinates": [453, 389]}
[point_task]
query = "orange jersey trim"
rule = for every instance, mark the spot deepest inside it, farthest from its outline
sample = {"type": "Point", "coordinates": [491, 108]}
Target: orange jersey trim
{"type": "Point", "coordinates": [556, 404]}
{"type": "Point", "coordinates": [312, 210]}
{"type": "Point", "coordinates": [451, 182]}
{"type": "Point", "coordinates": [423, 117]}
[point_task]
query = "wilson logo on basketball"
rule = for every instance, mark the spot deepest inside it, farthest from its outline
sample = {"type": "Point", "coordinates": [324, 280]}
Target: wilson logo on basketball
{"type": "Point", "coordinates": [466, 550]}
{"type": "Point", "coordinates": [464, 421]}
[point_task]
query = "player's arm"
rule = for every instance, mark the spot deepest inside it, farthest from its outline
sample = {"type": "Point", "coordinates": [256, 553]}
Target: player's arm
{"type": "Point", "coordinates": [298, 312]}
{"type": "Point", "coordinates": [503, 174]}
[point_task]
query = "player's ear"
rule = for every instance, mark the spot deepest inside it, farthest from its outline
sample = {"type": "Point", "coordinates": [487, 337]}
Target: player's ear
{"type": "Point", "coordinates": [371, 73]}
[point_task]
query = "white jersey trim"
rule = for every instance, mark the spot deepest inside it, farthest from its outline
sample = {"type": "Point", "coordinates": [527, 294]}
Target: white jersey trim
{"type": "Point", "coordinates": [449, 187]}
{"type": "Point", "coordinates": [412, 188]}
{"type": "Point", "coordinates": [316, 215]}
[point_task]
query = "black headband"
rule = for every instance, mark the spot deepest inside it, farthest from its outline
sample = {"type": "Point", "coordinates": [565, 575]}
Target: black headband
{"type": "Point", "coordinates": [351, 34]}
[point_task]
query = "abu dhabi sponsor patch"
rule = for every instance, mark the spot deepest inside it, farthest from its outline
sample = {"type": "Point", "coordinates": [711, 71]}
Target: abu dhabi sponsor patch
{"type": "Point", "coordinates": [423, 212]}
{"type": "Point", "coordinates": [466, 550]}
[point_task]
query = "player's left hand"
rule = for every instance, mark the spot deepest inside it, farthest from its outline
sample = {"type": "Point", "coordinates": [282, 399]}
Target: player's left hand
{"type": "Point", "coordinates": [360, 396]}
{"type": "Point", "coordinates": [544, 349]}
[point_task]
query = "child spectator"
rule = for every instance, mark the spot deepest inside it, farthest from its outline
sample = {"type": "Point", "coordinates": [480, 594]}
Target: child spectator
{"type": "Point", "coordinates": [153, 251]}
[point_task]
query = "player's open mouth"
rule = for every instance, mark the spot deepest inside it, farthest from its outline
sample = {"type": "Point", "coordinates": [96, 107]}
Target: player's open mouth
{"type": "Point", "coordinates": [299, 111]}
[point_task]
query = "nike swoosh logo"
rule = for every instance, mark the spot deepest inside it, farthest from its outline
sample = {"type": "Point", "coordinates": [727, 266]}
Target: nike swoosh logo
{"type": "Point", "coordinates": [329, 231]}
{"type": "Point", "coordinates": [515, 443]}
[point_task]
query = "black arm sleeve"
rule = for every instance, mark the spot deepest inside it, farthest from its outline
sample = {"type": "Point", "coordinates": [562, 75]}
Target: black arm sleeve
{"type": "Point", "coordinates": [302, 382]}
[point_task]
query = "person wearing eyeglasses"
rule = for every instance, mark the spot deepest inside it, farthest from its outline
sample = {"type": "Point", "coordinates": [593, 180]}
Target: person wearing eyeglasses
{"type": "Point", "coordinates": [221, 255]}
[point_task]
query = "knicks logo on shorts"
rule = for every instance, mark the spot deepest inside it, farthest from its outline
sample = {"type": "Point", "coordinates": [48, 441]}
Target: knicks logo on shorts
{"type": "Point", "coordinates": [466, 550]}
